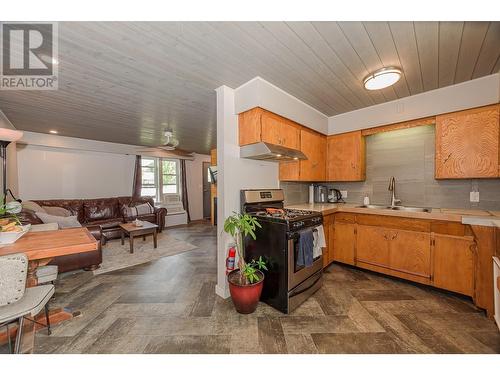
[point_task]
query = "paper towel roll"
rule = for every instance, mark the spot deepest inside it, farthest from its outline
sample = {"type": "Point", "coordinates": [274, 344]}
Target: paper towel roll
{"type": "Point", "coordinates": [311, 193]}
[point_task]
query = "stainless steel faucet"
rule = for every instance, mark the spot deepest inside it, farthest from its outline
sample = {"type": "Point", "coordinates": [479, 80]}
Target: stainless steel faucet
{"type": "Point", "coordinates": [392, 188]}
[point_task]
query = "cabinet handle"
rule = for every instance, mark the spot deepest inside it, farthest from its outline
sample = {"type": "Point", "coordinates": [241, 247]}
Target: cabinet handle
{"type": "Point", "coordinates": [446, 158]}
{"type": "Point", "coordinates": [394, 236]}
{"type": "Point", "coordinates": [385, 236]}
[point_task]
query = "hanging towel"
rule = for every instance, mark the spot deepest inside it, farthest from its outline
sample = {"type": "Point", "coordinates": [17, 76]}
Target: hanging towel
{"type": "Point", "coordinates": [305, 251]}
{"type": "Point", "coordinates": [319, 241]}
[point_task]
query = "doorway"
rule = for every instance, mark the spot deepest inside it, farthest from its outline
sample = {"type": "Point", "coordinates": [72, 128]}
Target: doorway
{"type": "Point", "coordinates": [206, 190]}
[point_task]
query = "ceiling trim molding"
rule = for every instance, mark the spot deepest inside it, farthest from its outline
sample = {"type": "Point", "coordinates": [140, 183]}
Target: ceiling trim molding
{"type": "Point", "coordinates": [260, 93]}
{"type": "Point", "coordinates": [470, 94]}
{"type": "Point", "coordinates": [80, 144]}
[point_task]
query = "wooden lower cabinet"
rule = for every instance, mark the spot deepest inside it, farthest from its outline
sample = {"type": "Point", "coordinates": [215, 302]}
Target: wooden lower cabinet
{"type": "Point", "coordinates": [372, 246]}
{"type": "Point", "coordinates": [454, 263]}
{"type": "Point", "coordinates": [449, 256]}
{"type": "Point", "coordinates": [410, 252]}
{"type": "Point", "coordinates": [344, 240]}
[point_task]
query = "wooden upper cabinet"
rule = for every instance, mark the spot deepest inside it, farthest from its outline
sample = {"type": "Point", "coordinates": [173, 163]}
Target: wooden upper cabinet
{"type": "Point", "coordinates": [279, 131]}
{"type": "Point", "coordinates": [346, 157]}
{"type": "Point", "coordinates": [313, 145]}
{"type": "Point", "coordinates": [289, 171]}
{"type": "Point", "coordinates": [454, 263]}
{"type": "Point", "coordinates": [467, 144]}
{"type": "Point", "coordinates": [259, 125]}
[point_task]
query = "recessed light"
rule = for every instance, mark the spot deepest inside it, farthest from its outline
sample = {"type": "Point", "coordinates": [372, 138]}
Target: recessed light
{"type": "Point", "coordinates": [382, 78]}
{"type": "Point", "coordinates": [278, 155]}
{"type": "Point", "coordinates": [53, 131]}
{"type": "Point", "coordinates": [295, 158]}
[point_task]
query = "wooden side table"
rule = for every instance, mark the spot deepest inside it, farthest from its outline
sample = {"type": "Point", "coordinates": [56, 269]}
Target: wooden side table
{"type": "Point", "coordinates": [132, 231]}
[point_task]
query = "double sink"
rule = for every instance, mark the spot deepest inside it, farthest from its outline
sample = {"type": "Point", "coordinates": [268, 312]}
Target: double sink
{"type": "Point", "coordinates": [395, 208]}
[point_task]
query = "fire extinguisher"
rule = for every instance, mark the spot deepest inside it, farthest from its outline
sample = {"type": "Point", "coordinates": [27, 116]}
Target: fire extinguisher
{"type": "Point", "coordinates": [231, 259]}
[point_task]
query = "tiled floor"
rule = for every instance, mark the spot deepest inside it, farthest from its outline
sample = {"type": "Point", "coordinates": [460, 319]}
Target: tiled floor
{"type": "Point", "coordinates": [169, 306]}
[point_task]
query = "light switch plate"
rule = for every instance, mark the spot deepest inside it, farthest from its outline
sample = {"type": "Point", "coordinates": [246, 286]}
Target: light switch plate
{"type": "Point", "coordinates": [344, 193]}
{"type": "Point", "coordinates": [474, 196]}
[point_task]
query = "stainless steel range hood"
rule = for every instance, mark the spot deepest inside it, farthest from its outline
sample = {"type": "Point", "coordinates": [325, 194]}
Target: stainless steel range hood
{"type": "Point", "coordinates": [270, 152]}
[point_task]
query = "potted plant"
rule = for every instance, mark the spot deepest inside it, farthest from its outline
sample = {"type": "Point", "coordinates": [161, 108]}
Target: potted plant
{"type": "Point", "coordinates": [245, 282]}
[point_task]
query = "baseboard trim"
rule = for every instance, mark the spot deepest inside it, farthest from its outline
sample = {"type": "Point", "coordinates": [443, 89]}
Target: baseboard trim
{"type": "Point", "coordinates": [222, 291]}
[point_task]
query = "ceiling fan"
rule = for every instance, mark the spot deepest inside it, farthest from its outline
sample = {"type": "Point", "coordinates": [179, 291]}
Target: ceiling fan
{"type": "Point", "coordinates": [169, 148]}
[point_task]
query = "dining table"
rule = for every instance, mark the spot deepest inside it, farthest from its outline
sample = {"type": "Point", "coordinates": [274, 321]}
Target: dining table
{"type": "Point", "coordinates": [40, 248]}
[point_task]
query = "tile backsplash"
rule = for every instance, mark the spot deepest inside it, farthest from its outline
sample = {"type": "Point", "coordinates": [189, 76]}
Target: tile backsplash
{"type": "Point", "coordinates": [408, 155]}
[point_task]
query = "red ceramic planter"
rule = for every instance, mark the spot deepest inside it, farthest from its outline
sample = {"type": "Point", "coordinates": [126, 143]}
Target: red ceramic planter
{"type": "Point", "coordinates": [245, 297]}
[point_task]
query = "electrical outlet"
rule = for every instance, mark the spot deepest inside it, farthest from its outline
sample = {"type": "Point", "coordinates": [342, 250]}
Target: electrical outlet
{"type": "Point", "coordinates": [474, 196]}
{"type": "Point", "coordinates": [343, 193]}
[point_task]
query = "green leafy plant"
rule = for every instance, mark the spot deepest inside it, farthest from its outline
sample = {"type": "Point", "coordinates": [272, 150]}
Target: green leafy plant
{"type": "Point", "coordinates": [5, 212]}
{"type": "Point", "coordinates": [239, 226]}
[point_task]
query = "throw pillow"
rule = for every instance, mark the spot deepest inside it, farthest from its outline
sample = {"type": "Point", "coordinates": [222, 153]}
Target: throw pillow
{"type": "Point", "coordinates": [62, 222]}
{"type": "Point", "coordinates": [32, 206]}
{"type": "Point", "coordinates": [140, 209]}
{"type": "Point", "coordinates": [56, 211]}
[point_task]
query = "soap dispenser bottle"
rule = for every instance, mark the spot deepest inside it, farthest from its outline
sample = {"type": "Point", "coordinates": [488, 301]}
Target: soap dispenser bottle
{"type": "Point", "coordinates": [366, 200]}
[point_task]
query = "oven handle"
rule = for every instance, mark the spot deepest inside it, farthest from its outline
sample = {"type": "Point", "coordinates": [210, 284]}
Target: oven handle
{"type": "Point", "coordinates": [295, 235]}
{"type": "Point", "coordinates": [309, 287]}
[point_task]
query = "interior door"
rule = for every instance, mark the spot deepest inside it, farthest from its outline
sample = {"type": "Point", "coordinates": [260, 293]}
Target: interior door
{"type": "Point", "coordinates": [206, 191]}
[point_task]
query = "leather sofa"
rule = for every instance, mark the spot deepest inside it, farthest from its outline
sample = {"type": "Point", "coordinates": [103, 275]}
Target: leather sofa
{"type": "Point", "coordinates": [102, 217]}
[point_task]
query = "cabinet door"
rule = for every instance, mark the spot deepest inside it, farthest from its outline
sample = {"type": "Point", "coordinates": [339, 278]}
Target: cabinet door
{"type": "Point", "coordinates": [467, 144]}
{"type": "Point", "coordinates": [410, 252]}
{"type": "Point", "coordinates": [346, 157]}
{"type": "Point", "coordinates": [372, 246]}
{"type": "Point", "coordinates": [249, 128]}
{"type": "Point", "coordinates": [289, 171]}
{"type": "Point", "coordinates": [313, 145]}
{"type": "Point", "coordinates": [279, 131]}
{"type": "Point", "coordinates": [454, 263]}
{"type": "Point", "coordinates": [343, 243]}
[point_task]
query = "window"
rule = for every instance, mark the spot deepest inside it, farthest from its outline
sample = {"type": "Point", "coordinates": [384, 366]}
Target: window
{"type": "Point", "coordinates": [170, 176]}
{"type": "Point", "coordinates": [149, 177]}
{"type": "Point", "coordinates": [160, 176]}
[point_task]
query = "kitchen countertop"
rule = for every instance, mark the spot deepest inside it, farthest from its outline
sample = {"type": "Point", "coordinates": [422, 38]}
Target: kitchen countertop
{"type": "Point", "coordinates": [464, 216]}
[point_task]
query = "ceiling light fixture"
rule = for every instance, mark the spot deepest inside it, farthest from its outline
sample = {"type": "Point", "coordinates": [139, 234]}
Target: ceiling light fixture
{"type": "Point", "coordinates": [382, 78]}
{"type": "Point", "coordinates": [53, 131]}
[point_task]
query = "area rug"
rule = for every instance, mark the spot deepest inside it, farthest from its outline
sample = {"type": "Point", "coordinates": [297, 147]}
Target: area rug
{"type": "Point", "coordinates": [116, 256]}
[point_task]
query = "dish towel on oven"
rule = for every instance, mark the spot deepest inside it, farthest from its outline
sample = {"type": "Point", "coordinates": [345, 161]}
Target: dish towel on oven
{"type": "Point", "coordinates": [306, 245]}
{"type": "Point", "coordinates": [319, 241]}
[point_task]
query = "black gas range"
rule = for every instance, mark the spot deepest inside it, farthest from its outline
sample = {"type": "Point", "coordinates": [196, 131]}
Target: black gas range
{"type": "Point", "coordinates": [287, 285]}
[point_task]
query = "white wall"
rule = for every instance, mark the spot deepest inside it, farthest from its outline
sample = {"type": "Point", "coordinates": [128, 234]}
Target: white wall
{"type": "Point", "coordinates": [233, 174]}
{"type": "Point", "coordinates": [470, 94]}
{"type": "Point", "coordinates": [260, 93]}
{"type": "Point", "coordinates": [56, 173]}
{"type": "Point", "coordinates": [194, 181]}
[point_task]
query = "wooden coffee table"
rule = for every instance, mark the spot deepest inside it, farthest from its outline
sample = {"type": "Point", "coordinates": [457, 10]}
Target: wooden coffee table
{"type": "Point", "coordinates": [132, 231]}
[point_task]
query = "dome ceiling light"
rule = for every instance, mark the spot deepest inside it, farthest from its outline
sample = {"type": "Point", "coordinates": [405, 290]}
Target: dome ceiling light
{"type": "Point", "coordinates": [382, 78]}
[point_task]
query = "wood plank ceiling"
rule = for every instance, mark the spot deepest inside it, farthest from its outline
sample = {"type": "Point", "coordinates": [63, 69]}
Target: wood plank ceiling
{"type": "Point", "coordinates": [127, 82]}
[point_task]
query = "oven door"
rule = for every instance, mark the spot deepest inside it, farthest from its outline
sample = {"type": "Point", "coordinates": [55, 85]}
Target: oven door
{"type": "Point", "coordinates": [297, 274]}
